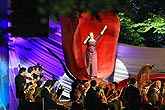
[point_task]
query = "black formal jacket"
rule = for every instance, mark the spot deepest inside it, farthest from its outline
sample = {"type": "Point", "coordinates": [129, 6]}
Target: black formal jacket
{"type": "Point", "coordinates": [20, 83]}
{"type": "Point", "coordinates": [132, 97]}
{"type": "Point", "coordinates": [92, 99]}
{"type": "Point", "coordinates": [48, 102]}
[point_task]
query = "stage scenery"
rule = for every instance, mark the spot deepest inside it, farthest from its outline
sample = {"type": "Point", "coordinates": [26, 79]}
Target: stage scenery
{"type": "Point", "coordinates": [80, 65]}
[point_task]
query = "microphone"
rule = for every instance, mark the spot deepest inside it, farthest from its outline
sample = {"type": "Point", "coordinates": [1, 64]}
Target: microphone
{"type": "Point", "coordinates": [86, 40]}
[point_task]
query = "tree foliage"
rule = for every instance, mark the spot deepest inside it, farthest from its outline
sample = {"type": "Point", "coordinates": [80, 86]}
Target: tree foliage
{"type": "Point", "coordinates": [73, 8]}
{"type": "Point", "coordinates": [148, 33]}
{"type": "Point", "coordinates": [147, 18]}
{"type": "Point", "coordinates": [155, 22]}
{"type": "Point", "coordinates": [128, 34]}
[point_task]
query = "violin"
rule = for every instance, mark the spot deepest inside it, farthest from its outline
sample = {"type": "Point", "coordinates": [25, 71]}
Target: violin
{"type": "Point", "coordinates": [144, 96]}
{"type": "Point", "coordinates": [114, 96]}
{"type": "Point", "coordinates": [30, 92]}
{"type": "Point", "coordinates": [54, 96]}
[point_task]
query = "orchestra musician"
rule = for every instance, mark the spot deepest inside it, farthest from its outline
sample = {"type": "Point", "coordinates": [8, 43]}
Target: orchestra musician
{"type": "Point", "coordinates": [91, 97]}
{"type": "Point", "coordinates": [154, 94]}
{"type": "Point", "coordinates": [37, 75]}
{"type": "Point", "coordinates": [102, 100]}
{"type": "Point", "coordinates": [75, 96]}
{"type": "Point", "coordinates": [113, 95]}
{"type": "Point", "coordinates": [163, 96]}
{"type": "Point", "coordinates": [78, 103]}
{"type": "Point", "coordinates": [20, 83]}
{"type": "Point", "coordinates": [101, 95]}
{"type": "Point", "coordinates": [31, 85]}
{"type": "Point", "coordinates": [33, 88]}
{"type": "Point", "coordinates": [130, 96]}
{"type": "Point", "coordinates": [48, 102]}
{"type": "Point", "coordinates": [145, 86]}
{"type": "Point", "coordinates": [30, 74]}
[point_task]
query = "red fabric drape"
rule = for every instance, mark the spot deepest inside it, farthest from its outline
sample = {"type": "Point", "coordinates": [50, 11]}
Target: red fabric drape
{"type": "Point", "coordinates": [68, 28]}
{"type": "Point", "coordinates": [75, 32]}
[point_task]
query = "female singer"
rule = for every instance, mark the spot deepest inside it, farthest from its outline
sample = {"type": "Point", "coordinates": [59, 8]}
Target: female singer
{"type": "Point", "coordinates": [91, 54]}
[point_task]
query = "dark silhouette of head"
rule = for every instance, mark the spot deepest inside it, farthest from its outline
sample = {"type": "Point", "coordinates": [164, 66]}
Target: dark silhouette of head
{"type": "Point", "coordinates": [23, 69]}
{"type": "Point", "coordinates": [35, 67]}
{"type": "Point", "coordinates": [93, 83]}
{"type": "Point", "coordinates": [30, 69]}
{"type": "Point", "coordinates": [48, 83]}
{"type": "Point", "coordinates": [132, 81]}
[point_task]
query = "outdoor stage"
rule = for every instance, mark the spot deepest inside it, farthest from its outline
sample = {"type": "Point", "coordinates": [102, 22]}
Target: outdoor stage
{"type": "Point", "coordinates": [62, 55]}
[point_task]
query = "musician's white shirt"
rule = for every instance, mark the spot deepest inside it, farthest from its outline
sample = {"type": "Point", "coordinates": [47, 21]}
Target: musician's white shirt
{"type": "Point", "coordinates": [30, 76]}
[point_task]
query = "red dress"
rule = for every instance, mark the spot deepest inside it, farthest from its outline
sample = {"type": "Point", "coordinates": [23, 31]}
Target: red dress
{"type": "Point", "coordinates": [91, 58]}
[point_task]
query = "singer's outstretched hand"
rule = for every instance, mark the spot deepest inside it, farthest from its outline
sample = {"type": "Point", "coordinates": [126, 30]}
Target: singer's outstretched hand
{"type": "Point", "coordinates": [105, 27]}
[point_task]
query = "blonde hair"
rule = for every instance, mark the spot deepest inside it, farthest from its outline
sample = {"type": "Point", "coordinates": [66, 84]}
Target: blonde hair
{"type": "Point", "coordinates": [91, 34]}
{"type": "Point", "coordinates": [102, 83]}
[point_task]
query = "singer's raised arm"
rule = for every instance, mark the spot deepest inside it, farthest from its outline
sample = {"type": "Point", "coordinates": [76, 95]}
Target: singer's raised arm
{"type": "Point", "coordinates": [101, 33]}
